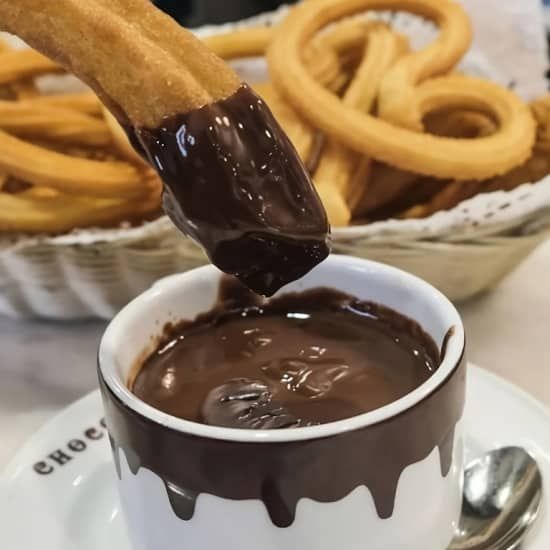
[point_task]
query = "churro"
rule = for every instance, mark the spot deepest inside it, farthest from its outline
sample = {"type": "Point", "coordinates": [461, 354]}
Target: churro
{"type": "Point", "coordinates": [534, 169]}
{"type": "Point", "coordinates": [447, 197]}
{"type": "Point", "coordinates": [409, 150]}
{"type": "Point", "coordinates": [249, 42]}
{"type": "Point", "coordinates": [22, 64]}
{"type": "Point", "coordinates": [79, 181]}
{"type": "Point", "coordinates": [217, 147]}
{"type": "Point", "coordinates": [25, 89]}
{"type": "Point", "coordinates": [27, 119]}
{"type": "Point", "coordinates": [327, 58]}
{"type": "Point", "coordinates": [69, 174]}
{"type": "Point", "coordinates": [338, 164]}
{"type": "Point", "coordinates": [385, 184]}
{"type": "Point", "coordinates": [117, 49]}
{"type": "Point", "coordinates": [39, 212]}
{"type": "Point", "coordinates": [398, 101]}
{"type": "Point", "coordinates": [120, 139]}
{"type": "Point", "coordinates": [384, 131]}
{"type": "Point", "coordinates": [301, 134]}
{"type": "Point", "coordinates": [320, 58]}
{"type": "Point", "coordinates": [22, 89]}
{"type": "Point", "coordinates": [85, 102]}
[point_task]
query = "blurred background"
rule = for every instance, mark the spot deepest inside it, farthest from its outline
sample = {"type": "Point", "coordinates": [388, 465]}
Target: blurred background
{"type": "Point", "coordinates": [193, 13]}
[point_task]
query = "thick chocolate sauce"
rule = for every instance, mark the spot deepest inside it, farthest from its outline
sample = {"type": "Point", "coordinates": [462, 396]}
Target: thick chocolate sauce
{"type": "Point", "coordinates": [281, 474]}
{"type": "Point", "coordinates": [297, 360]}
{"type": "Point", "coordinates": [234, 183]}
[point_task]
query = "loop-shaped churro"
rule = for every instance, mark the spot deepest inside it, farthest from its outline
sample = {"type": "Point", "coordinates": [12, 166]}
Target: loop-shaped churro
{"type": "Point", "coordinates": [475, 94]}
{"type": "Point", "coordinates": [534, 169]}
{"type": "Point", "coordinates": [321, 57]}
{"type": "Point", "coordinates": [398, 101]}
{"type": "Point", "coordinates": [441, 157]}
{"type": "Point", "coordinates": [339, 164]}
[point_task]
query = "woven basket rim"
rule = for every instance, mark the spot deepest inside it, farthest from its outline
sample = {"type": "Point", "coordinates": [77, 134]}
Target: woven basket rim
{"type": "Point", "coordinates": [374, 233]}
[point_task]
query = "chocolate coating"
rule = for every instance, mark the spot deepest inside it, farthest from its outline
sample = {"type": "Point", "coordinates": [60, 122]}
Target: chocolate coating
{"type": "Point", "coordinates": [234, 183]}
{"type": "Point", "coordinates": [296, 360]}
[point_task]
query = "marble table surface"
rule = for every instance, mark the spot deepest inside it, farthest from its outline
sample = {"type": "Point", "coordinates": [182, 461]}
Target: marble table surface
{"type": "Point", "coordinates": [45, 366]}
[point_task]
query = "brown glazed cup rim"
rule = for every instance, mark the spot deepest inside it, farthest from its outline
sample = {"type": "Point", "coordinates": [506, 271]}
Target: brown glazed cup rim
{"type": "Point", "coordinates": [175, 285]}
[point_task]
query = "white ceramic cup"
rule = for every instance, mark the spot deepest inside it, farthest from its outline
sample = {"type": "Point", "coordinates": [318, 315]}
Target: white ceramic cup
{"type": "Point", "coordinates": [231, 474]}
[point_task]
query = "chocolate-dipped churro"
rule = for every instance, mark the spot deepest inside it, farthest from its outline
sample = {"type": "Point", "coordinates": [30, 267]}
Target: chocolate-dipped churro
{"type": "Point", "coordinates": [233, 181]}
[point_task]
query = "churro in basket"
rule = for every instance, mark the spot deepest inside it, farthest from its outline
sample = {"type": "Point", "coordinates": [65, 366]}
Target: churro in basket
{"type": "Point", "coordinates": [385, 131]}
{"type": "Point", "coordinates": [428, 133]}
{"type": "Point", "coordinates": [59, 166]}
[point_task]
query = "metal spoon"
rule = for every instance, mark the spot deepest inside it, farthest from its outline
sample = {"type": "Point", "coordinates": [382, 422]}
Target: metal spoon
{"type": "Point", "coordinates": [501, 500]}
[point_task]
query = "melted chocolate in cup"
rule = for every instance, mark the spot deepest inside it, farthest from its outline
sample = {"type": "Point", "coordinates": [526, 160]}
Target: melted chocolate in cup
{"type": "Point", "coordinates": [234, 183]}
{"type": "Point", "coordinates": [241, 365]}
{"type": "Point", "coordinates": [298, 360]}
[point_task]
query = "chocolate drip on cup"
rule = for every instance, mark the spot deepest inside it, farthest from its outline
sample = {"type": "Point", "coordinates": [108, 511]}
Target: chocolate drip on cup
{"type": "Point", "coordinates": [281, 474]}
{"type": "Point", "coordinates": [234, 184]}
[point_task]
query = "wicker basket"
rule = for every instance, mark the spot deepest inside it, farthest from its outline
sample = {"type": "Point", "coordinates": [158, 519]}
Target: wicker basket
{"type": "Point", "coordinates": [70, 279]}
{"type": "Point", "coordinates": [93, 275]}
{"type": "Point", "coordinates": [462, 252]}
{"type": "Point", "coordinates": [459, 269]}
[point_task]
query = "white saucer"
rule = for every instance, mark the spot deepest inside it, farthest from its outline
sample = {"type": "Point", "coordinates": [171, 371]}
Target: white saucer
{"type": "Point", "coordinates": [75, 507]}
